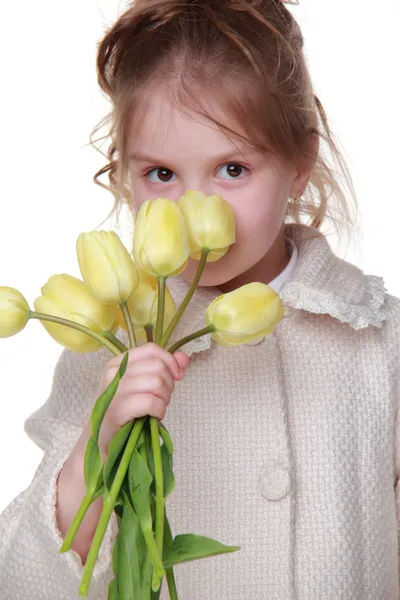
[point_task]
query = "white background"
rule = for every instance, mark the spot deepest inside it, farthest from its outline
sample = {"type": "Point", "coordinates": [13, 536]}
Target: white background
{"type": "Point", "coordinates": [49, 103]}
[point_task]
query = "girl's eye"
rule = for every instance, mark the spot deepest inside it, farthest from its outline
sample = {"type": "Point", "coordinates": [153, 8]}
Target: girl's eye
{"type": "Point", "coordinates": [232, 171]}
{"type": "Point", "coordinates": [160, 175]}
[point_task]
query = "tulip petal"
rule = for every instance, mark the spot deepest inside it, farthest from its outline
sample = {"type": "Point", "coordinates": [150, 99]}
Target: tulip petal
{"type": "Point", "coordinates": [211, 224]}
{"type": "Point", "coordinates": [66, 336]}
{"type": "Point", "coordinates": [106, 266]}
{"type": "Point", "coordinates": [69, 298]}
{"type": "Point", "coordinates": [249, 313]}
{"type": "Point", "coordinates": [14, 311]}
{"type": "Point", "coordinates": [161, 240]}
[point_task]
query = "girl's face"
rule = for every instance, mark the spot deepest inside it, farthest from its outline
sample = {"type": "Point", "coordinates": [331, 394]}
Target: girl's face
{"type": "Point", "coordinates": [172, 151]}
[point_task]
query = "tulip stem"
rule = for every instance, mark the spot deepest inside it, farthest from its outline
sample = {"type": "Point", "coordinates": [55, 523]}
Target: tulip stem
{"type": "Point", "coordinates": [149, 332]}
{"type": "Point", "coordinates": [110, 499]}
{"type": "Point", "coordinates": [189, 294]}
{"type": "Point", "coordinates": [76, 523]}
{"type": "Point", "coordinates": [192, 336]}
{"type": "Point", "coordinates": [159, 481]}
{"type": "Point", "coordinates": [129, 324]}
{"type": "Point", "coordinates": [100, 338]}
{"type": "Point", "coordinates": [173, 594]}
{"type": "Point", "coordinates": [110, 336]}
{"type": "Point", "coordinates": [160, 309]}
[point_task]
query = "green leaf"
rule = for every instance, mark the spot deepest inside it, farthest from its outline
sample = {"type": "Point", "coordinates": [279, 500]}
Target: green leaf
{"type": "Point", "coordinates": [190, 546]}
{"type": "Point", "coordinates": [167, 535]}
{"type": "Point", "coordinates": [104, 400]}
{"type": "Point", "coordinates": [142, 437]}
{"type": "Point", "coordinates": [118, 508]}
{"type": "Point", "coordinates": [115, 452]}
{"type": "Point", "coordinates": [113, 590]}
{"type": "Point", "coordinates": [114, 555]}
{"type": "Point", "coordinates": [168, 474]}
{"type": "Point", "coordinates": [147, 574]}
{"type": "Point", "coordinates": [140, 480]}
{"type": "Point", "coordinates": [100, 485]}
{"type": "Point", "coordinates": [92, 461]}
{"type": "Point", "coordinates": [92, 465]}
{"type": "Point", "coordinates": [124, 493]}
{"type": "Point", "coordinates": [166, 438]}
{"type": "Point", "coordinates": [132, 553]}
{"type": "Point", "coordinates": [166, 545]}
{"type": "Point", "coordinates": [156, 595]}
{"type": "Point", "coordinates": [139, 485]}
{"type": "Point", "coordinates": [150, 457]}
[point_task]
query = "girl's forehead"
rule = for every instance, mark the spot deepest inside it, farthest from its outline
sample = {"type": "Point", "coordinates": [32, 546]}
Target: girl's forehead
{"type": "Point", "coordinates": [162, 123]}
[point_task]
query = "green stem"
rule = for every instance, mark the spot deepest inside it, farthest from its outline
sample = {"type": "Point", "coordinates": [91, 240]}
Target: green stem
{"type": "Point", "coordinates": [160, 309]}
{"type": "Point", "coordinates": [69, 538]}
{"type": "Point", "coordinates": [154, 553]}
{"type": "Point", "coordinates": [189, 294]}
{"type": "Point", "coordinates": [189, 338]}
{"type": "Point", "coordinates": [159, 480]}
{"type": "Point", "coordinates": [108, 506]}
{"type": "Point", "coordinates": [173, 593]}
{"type": "Point", "coordinates": [100, 338]}
{"type": "Point", "coordinates": [129, 324]}
{"type": "Point", "coordinates": [112, 338]}
{"type": "Point", "coordinates": [149, 332]}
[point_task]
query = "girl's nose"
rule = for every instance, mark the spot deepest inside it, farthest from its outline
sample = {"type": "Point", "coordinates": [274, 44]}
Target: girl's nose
{"type": "Point", "coordinates": [201, 186]}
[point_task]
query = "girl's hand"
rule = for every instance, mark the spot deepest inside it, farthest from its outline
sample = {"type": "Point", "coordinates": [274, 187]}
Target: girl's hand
{"type": "Point", "coordinates": [145, 388]}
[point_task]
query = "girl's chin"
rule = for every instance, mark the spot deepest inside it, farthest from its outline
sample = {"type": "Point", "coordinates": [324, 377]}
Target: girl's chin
{"type": "Point", "coordinates": [214, 274]}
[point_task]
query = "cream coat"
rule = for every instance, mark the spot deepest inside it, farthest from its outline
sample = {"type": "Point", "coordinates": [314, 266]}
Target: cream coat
{"type": "Point", "coordinates": [289, 449]}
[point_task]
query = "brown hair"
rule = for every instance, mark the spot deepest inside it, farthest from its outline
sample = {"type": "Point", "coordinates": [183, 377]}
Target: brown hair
{"type": "Point", "coordinates": [246, 54]}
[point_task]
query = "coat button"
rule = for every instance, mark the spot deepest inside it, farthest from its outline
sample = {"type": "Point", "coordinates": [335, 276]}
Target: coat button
{"type": "Point", "coordinates": [274, 482]}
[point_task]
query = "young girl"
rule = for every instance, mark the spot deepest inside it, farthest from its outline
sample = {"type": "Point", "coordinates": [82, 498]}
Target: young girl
{"type": "Point", "coordinates": [289, 448]}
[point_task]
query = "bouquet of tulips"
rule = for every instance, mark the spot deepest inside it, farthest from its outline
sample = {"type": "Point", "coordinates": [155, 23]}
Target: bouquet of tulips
{"type": "Point", "coordinates": [84, 315]}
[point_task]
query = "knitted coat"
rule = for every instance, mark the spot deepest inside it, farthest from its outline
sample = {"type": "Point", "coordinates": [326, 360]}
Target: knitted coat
{"type": "Point", "coordinates": [289, 448]}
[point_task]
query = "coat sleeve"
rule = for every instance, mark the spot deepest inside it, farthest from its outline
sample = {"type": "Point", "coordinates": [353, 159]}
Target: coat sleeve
{"type": "Point", "coordinates": [397, 477]}
{"type": "Point", "coordinates": [394, 373]}
{"type": "Point", "coordinates": [31, 565]}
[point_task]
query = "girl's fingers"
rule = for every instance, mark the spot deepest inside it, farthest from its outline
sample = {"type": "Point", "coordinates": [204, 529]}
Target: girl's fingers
{"type": "Point", "coordinates": [182, 359]}
{"type": "Point", "coordinates": [150, 367]}
{"type": "Point", "coordinates": [154, 366]}
{"type": "Point", "coordinates": [147, 351]}
{"type": "Point", "coordinates": [144, 384]}
{"type": "Point", "coordinates": [131, 408]}
{"type": "Point", "coordinates": [142, 404]}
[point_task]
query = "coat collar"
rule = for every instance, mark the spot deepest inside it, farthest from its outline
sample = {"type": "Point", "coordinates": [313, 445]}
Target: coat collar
{"type": "Point", "coordinates": [321, 283]}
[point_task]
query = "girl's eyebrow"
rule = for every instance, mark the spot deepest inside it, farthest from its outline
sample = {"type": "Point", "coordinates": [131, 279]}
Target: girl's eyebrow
{"type": "Point", "coordinates": [226, 157]}
{"type": "Point", "coordinates": [141, 156]}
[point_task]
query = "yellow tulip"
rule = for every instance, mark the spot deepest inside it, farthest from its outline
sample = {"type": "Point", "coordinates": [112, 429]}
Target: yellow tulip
{"type": "Point", "coordinates": [14, 311]}
{"type": "Point", "coordinates": [69, 298]}
{"type": "Point", "coordinates": [247, 314]}
{"type": "Point", "coordinates": [106, 266]}
{"type": "Point", "coordinates": [143, 303]}
{"type": "Point", "coordinates": [211, 223]}
{"type": "Point", "coordinates": [161, 239]}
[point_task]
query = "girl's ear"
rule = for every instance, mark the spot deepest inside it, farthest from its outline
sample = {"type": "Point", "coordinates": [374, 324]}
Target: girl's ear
{"type": "Point", "coordinates": [305, 166]}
